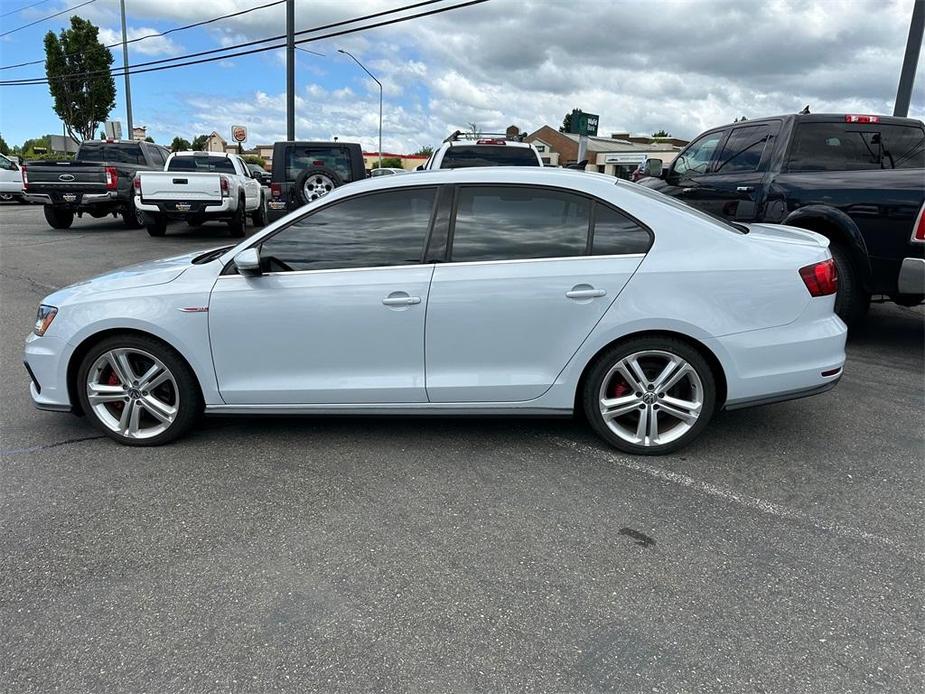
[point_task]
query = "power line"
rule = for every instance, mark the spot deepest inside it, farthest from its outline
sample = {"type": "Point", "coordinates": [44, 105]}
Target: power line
{"type": "Point", "coordinates": [35, 4]}
{"type": "Point", "coordinates": [146, 66]}
{"type": "Point", "coordinates": [45, 19]}
{"type": "Point", "coordinates": [163, 33]}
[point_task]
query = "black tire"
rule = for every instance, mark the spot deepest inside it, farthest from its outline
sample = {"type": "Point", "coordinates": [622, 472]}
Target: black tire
{"type": "Point", "coordinates": [133, 218]}
{"type": "Point", "coordinates": [907, 300]}
{"type": "Point", "coordinates": [685, 389]}
{"type": "Point", "coordinates": [156, 224]}
{"type": "Point", "coordinates": [58, 218]}
{"type": "Point", "coordinates": [325, 181]}
{"type": "Point", "coordinates": [259, 216]}
{"type": "Point", "coordinates": [188, 402]}
{"type": "Point", "coordinates": [851, 300]}
{"type": "Point", "coordinates": [237, 224]}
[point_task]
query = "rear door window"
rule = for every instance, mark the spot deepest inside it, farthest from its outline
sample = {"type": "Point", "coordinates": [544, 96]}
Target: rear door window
{"type": "Point", "coordinates": [299, 158]}
{"type": "Point", "coordinates": [487, 155]}
{"type": "Point", "coordinates": [518, 223]}
{"type": "Point", "coordinates": [744, 149]}
{"type": "Point", "coordinates": [856, 147]}
{"type": "Point", "coordinates": [617, 234]}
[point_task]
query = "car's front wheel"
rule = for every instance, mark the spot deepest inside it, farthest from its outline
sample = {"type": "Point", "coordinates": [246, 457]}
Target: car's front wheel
{"type": "Point", "coordinates": [650, 396]}
{"type": "Point", "coordinates": [138, 390]}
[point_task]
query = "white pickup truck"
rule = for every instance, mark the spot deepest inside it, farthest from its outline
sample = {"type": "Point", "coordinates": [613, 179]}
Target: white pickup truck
{"type": "Point", "coordinates": [198, 187]}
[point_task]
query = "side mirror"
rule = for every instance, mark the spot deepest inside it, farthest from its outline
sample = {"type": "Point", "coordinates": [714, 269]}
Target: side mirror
{"type": "Point", "coordinates": [247, 262]}
{"type": "Point", "coordinates": [653, 167]}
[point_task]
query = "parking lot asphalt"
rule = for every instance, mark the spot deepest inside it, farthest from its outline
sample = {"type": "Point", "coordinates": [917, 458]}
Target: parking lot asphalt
{"type": "Point", "coordinates": [783, 551]}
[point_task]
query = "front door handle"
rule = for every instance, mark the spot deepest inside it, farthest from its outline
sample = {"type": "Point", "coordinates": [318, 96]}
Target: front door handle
{"type": "Point", "coordinates": [401, 299]}
{"type": "Point", "coordinates": [584, 291]}
{"type": "Point", "coordinates": [688, 190]}
{"type": "Point", "coordinates": [745, 189]}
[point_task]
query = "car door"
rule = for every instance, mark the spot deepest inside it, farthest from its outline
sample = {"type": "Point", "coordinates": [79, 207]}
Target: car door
{"type": "Point", "coordinates": [692, 171]}
{"type": "Point", "coordinates": [522, 286]}
{"type": "Point", "coordinates": [337, 315]}
{"type": "Point", "coordinates": [251, 185]}
{"type": "Point", "coordinates": [736, 186]}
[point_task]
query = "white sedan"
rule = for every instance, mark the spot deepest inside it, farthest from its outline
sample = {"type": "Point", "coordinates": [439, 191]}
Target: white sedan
{"type": "Point", "coordinates": [516, 290]}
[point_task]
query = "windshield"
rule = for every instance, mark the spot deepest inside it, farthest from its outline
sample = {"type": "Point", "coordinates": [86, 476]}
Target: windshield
{"type": "Point", "coordinates": [207, 164]}
{"type": "Point", "coordinates": [488, 155]}
{"type": "Point", "coordinates": [117, 152]}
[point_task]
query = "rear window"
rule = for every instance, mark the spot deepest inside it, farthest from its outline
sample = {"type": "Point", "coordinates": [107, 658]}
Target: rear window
{"type": "Point", "coordinates": [488, 155]}
{"type": "Point", "coordinates": [854, 147]}
{"type": "Point", "coordinates": [336, 158]}
{"type": "Point", "coordinates": [201, 164]}
{"type": "Point", "coordinates": [119, 153]}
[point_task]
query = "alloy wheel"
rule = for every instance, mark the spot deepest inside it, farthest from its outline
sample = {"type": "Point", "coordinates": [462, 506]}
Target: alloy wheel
{"type": "Point", "coordinates": [316, 186]}
{"type": "Point", "coordinates": [132, 393]}
{"type": "Point", "coordinates": [651, 398]}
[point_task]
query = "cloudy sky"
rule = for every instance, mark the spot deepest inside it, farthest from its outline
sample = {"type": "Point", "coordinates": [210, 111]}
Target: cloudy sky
{"type": "Point", "coordinates": [674, 64]}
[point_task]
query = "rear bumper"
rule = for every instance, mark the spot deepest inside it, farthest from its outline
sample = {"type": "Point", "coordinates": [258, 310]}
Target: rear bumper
{"type": "Point", "coordinates": [80, 200]}
{"type": "Point", "coordinates": [176, 209]}
{"type": "Point", "coordinates": [912, 276]}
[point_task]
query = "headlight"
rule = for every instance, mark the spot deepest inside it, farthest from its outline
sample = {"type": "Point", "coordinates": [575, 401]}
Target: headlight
{"type": "Point", "coordinates": [43, 319]}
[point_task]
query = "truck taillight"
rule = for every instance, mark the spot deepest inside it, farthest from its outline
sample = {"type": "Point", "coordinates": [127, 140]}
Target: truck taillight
{"type": "Point", "coordinates": [25, 178]}
{"type": "Point", "coordinates": [112, 178]}
{"type": "Point", "coordinates": [918, 231]}
{"type": "Point", "coordinates": [821, 279]}
{"type": "Point", "coordinates": [276, 190]}
{"type": "Point", "coordinates": [226, 187]}
{"type": "Point", "coordinates": [857, 118]}
{"type": "Point", "coordinates": [136, 184]}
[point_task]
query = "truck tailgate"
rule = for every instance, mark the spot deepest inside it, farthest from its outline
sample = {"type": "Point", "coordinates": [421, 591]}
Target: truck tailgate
{"type": "Point", "coordinates": [180, 185]}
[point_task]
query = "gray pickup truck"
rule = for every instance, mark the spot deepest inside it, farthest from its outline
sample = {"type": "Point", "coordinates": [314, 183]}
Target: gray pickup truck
{"type": "Point", "coordinates": [98, 181]}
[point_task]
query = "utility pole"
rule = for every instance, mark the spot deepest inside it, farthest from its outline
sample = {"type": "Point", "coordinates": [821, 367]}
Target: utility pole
{"type": "Point", "coordinates": [341, 50]}
{"type": "Point", "coordinates": [128, 87]}
{"type": "Point", "coordinates": [913, 46]}
{"type": "Point", "coordinates": [290, 69]}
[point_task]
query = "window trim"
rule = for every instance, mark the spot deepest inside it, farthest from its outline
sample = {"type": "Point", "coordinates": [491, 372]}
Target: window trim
{"type": "Point", "coordinates": [764, 161]}
{"type": "Point", "coordinates": [589, 238]}
{"type": "Point", "coordinates": [230, 270]}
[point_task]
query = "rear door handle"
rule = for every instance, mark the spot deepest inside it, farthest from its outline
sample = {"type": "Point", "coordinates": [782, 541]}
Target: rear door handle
{"type": "Point", "coordinates": [401, 300]}
{"type": "Point", "coordinates": [585, 292]}
{"type": "Point", "coordinates": [745, 189]}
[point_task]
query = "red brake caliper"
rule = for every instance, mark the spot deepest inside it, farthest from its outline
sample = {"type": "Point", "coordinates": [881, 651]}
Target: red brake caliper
{"type": "Point", "coordinates": [113, 381]}
{"type": "Point", "coordinates": [620, 389]}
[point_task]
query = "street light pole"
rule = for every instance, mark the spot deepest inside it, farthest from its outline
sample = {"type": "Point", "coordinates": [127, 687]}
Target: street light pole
{"type": "Point", "coordinates": [128, 88]}
{"type": "Point", "coordinates": [290, 70]}
{"type": "Point", "coordinates": [911, 59]}
{"type": "Point", "coordinates": [341, 50]}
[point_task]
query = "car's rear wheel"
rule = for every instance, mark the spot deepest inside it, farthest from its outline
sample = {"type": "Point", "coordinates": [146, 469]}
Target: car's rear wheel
{"type": "Point", "coordinates": [259, 216]}
{"type": "Point", "coordinates": [237, 224]}
{"type": "Point", "coordinates": [58, 218]}
{"type": "Point", "coordinates": [650, 396]}
{"type": "Point", "coordinates": [132, 217]}
{"type": "Point", "coordinates": [851, 300]}
{"type": "Point", "coordinates": [156, 224]}
{"type": "Point", "coordinates": [138, 391]}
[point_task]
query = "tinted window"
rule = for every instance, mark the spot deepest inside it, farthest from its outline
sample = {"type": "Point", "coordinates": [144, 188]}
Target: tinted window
{"type": "Point", "coordinates": [743, 149]}
{"type": "Point", "coordinates": [616, 234]}
{"type": "Point", "coordinates": [368, 231]}
{"type": "Point", "coordinates": [507, 223]}
{"type": "Point", "coordinates": [300, 158]}
{"type": "Point", "coordinates": [119, 153]}
{"type": "Point", "coordinates": [201, 163]}
{"type": "Point", "coordinates": [7, 164]}
{"type": "Point", "coordinates": [696, 158]}
{"type": "Point", "coordinates": [853, 147]}
{"type": "Point", "coordinates": [157, 157]}
{"type": "Point", "coordinates": [488, 155]}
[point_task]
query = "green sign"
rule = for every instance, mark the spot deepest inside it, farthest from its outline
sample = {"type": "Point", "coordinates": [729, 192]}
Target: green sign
{"type": "Point", "coordinates": [584, 123]}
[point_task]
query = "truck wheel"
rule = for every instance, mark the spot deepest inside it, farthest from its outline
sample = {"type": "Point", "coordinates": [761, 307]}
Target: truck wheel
{"type": "Point", "coordinates": [237, 223]}
{"type": "Point", "coordinates": [133, 218]}
{"type": "Point", "coordinates": [259, 216]}
{"type": "Point", "coordinates": [851, 301]}
{"type": "Point", "coordinates": [907, 299]}
{"type": "Point", "coordinates": [58, 218]}
{"type": "Point", "coordinates": [156, 224]}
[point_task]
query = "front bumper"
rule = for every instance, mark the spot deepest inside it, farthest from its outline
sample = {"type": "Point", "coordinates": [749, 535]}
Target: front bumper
{"type": "Point", "coordinates": [912, 276]}
{"type": "Point", "coordinates": [46, 361]}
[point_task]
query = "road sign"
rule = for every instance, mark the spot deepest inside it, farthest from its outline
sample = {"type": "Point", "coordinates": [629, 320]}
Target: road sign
{"type": "Point", "coordinates": [62, 143]}
{"type": "Point", "coordinates": [113, 129]}
{"type": "Point", "coordinates": [584, 123]}
{"type": "Point", "coordinates": [238, 133]}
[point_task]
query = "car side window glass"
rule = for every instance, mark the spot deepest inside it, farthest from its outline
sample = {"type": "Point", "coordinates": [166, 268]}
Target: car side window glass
{"type": "Point", "coordinates": [6, 164]}
{"type": "Point", "coordinates": [744, 149]}
{"type": "Point", "coordinates": [617, 234]}
{"type": "Point", "coordinates": [516, 223]}
{"type": "Point", "coordinates": [696, 159]}
{"type": "Point", "coordinates": [157, 157]}
{"type": "Point", "coordinates": [374, 230]}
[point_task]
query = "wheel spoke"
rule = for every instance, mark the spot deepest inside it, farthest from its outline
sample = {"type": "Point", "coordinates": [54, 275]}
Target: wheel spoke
{"type": "Point", "coordinates": [158, 409]}
{"type": "Point", "coordinates": [652, 434]}
{"type": "Point", "coordinates": [643, 426]}
{"type": "Point", "coordinates": [666, 373]}
{"type": "Point", "coordinates": [617, 407]}
{"type": "Point", "coordinates": [631, 378]}
{"type": "Point", "coordinates": [100, 393]}
{"type": "Point", "coordinates": [684, 410]}
{"type": "Point", "coordinates": [153, 377]}
{"type": "Point", "coordinates": [118, 360]}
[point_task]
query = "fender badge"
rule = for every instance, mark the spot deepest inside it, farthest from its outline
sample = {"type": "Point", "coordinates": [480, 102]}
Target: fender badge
{"type": "Point", "coordinates": [194, 309]}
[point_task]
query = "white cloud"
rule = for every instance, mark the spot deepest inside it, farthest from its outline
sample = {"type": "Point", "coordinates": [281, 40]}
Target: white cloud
{"type": "Point", "coordinates": [156, 45]}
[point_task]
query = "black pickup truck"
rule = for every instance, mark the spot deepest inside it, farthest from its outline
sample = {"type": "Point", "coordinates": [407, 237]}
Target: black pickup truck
{"type": "Point", "coordinates": [97, 181]}
{"type": "Point", "coordinates": [857, 179]}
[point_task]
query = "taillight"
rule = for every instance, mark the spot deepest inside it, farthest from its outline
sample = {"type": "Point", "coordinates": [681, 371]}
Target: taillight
{"type": "Point", "coordinates": [821, 279]}
{"type": "Point", "coordinates": [112, 178]}
{"type": "Point", "coordinates": [856, 118]}
{"type": "Point", "coordinates": [276, 190]}
{"type": "Point", "coordinates": [918, 231]}
{"type": "Point", "coordinates": [493, 141]}
{"type": "Point", "coordinates": [136, 184]}
{"type": "Point", "coordinates": [25, 178]}
{"type": "Point", "coordinates": [225, 186]}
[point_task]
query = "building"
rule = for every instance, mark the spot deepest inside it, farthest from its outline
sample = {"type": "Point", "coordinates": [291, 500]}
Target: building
{"type": "Point", "coordinates": [617, 155]}
{"type": "Point", "coordinates": [140, 132]}
{"type": "Point", "coordinates": [409, 162]}
{"type": "Point", "coordinates": [215, 143]}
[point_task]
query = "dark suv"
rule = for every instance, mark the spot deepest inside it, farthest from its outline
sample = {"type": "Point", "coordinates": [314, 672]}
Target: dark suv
{"type": "Point", "coordinates": [305, 171]}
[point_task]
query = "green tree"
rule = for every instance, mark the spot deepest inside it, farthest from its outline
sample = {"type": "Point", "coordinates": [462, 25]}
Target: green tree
{"type": "Point", "coordinates": [77, 66]}
{"type": "Point", "coordinates": [255, 159]}
{"type": "Point", "coordinates": [4, 147]}
{"type": "Point", "coordinates": [661, 133]}
{"type": "Point", "coordinates": [566, 123]}
{"type": "Point", "coordinates": [388, 163]}
{"type": "Point", "coordinates": [180, 144]}
{"type": "Point", "coordinates": [425, 151]}
{"type": "Point", "coordinates": [199, 143]}
{"type": "Point", "coordinates": [149, 139]}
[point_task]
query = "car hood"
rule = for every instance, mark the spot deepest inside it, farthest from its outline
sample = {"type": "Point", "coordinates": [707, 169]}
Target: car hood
{"type": "Point", "coordinates": [783, 234]}
{"type": "Point", "coordinates": [147, 274]}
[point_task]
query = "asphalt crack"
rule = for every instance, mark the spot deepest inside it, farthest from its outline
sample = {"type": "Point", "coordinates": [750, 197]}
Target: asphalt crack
{"type": "Point", "coordinates": [45, 446]}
